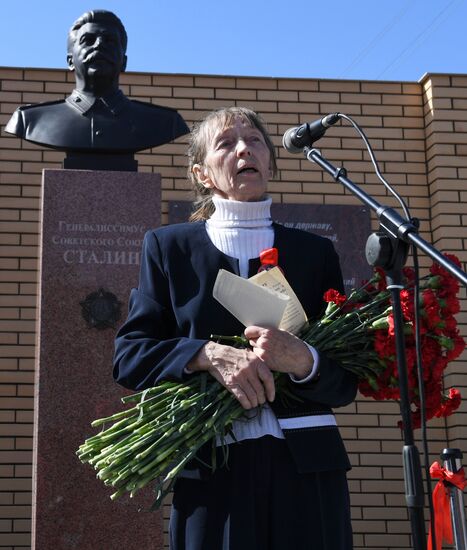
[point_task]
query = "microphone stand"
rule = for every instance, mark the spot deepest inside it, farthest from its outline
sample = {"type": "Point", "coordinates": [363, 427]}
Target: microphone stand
{"type": "Point", "coordinates": [388, 248]}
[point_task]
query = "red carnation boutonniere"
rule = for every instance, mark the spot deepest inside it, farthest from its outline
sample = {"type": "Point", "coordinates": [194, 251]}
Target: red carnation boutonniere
{"type": "Point", "coordinates": [269, 258]}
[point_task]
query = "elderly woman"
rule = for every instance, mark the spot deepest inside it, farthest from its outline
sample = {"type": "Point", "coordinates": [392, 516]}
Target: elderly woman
{"type": "Point", "coordinates": [284, 484]}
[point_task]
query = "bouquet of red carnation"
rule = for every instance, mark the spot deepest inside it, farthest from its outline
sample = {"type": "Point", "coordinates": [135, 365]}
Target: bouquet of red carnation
{"type": "Point", "coordinates": [154, 440]}
{"type": "Point", "coordinates": [358, 331]}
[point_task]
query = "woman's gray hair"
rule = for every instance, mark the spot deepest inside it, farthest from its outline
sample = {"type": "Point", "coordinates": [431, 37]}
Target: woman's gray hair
{"type": "Point", "coordinates": [199, 139]}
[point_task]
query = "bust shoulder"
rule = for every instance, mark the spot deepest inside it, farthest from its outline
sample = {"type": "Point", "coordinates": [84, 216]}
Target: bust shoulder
{"type": "Point", "coordinates": [26, 114]}
{"type": "Point", "coordinates": [154, 108]}
{"type": "Point", "coordinates": [157, 122]}
{"type": "Point", "coordinates": [123, 126]}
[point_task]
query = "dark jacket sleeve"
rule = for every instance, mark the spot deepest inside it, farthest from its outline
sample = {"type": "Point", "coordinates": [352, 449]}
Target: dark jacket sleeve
{"type": "Point", "coordinates": [147, 348]}
{"type": "Point", "coordinates": [334, 386]}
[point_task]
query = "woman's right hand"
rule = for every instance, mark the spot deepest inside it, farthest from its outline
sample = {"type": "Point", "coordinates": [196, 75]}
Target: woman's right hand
{"type": "Point", "coordinates": [239, 370]}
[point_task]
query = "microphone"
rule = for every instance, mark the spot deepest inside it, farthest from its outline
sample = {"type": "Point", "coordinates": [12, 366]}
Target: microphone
{"type": "Point", "coordinates": [295, 139]}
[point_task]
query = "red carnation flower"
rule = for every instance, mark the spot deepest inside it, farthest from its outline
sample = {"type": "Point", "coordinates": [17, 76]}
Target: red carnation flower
{"type": "Point", "coordinates": [452, 305]}
{"type": "Point", "coordinates": [407, 305]}
{"type": "Point", "coordinates": [451, 403]}
{"type": "Point", "coordinates": [334, 296]}
{"type": "Point", "coordinates": [409, 274]}
{"type": "Point", "coordinates": [459, 347]}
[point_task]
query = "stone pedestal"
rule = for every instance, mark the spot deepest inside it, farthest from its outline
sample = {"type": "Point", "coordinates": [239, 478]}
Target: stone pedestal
{"type": "Point", "coordinates": [93, 224]}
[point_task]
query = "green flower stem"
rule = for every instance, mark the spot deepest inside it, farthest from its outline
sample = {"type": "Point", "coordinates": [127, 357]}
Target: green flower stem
{"type": "Point", "coordinates": [238, 340]}
{"type": "Point", "coordinates": [117, 416]}
{"type": "Point", "coordinates": [155, 439]}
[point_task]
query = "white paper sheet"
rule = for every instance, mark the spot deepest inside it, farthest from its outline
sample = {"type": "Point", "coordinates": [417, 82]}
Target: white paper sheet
{"type": "Point", "coordinates": [249, 303]}
{"type": "Point", "coordinates": [294, 316]}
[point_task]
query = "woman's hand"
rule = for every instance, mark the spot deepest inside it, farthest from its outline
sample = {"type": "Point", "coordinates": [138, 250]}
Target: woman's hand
{"type": "Point", "coordinates": [241, 371]}
{"type": "Point", "coordinates": [280, 350]}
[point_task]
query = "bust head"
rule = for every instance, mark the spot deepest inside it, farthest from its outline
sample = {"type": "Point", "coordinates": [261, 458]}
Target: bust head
{"type": "Point", "coordinates": [96, 47]}
{"type": "Point", "coordinates": [97, 125]}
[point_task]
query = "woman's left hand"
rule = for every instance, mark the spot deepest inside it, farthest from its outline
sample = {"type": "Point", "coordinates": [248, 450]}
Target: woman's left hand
{"type": "Point", "coordinates": [280, 350]}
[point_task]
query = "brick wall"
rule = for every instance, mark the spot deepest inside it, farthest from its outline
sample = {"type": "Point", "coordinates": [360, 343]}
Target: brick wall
{"type": "Point", "coordinates": [445, 104]}
{"type": "Point", "coordinates": [419, 134]}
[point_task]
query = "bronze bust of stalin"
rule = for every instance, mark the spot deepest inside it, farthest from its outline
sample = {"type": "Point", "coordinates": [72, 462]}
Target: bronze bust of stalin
{"type": "Point", "coordinates": [97, 125]}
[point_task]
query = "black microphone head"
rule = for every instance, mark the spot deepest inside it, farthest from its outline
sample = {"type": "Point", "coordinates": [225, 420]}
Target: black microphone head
{"type": "Point", "coordinates": [287, 141]}
{"type": "Point", "coordinates": [296, 139]}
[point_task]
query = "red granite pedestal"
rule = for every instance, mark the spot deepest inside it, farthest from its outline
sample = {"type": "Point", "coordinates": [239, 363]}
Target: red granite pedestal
{"type": "Point", "coordinates": [93, 226]}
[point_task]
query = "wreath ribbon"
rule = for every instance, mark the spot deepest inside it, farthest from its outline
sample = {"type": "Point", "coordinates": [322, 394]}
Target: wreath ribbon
{"type": "Point", "coordinates": [443, 525]}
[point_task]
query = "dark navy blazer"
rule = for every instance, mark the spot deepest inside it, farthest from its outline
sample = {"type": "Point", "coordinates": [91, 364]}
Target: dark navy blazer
{"type": "Point", "coordinates": [172, 314]}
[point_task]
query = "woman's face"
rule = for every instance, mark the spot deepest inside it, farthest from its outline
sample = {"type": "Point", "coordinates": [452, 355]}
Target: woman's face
{"type": "Point", "coordinates": [237, 164]}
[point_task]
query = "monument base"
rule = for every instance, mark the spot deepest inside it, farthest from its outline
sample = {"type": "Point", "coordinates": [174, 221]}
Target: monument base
{"type": "Point", "coordinates": [93, 224]}
{"type": "Point", "coordinates": [102, 161]}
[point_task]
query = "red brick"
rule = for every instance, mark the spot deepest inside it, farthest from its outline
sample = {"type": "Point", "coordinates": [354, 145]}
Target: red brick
{"type": "Point", "coordinates": [11, 74]}
{"type": "Point", "coordinates": [22, 85]}
{"type": "Point", "coordinates": [135, 78]}
{"type": "Point", "coordinates": [61, 88]}
{"type": "Point", "coordinates": [16, 539]}
{"type": "Point", "coordinates": [256, 83]}
{"type": "Point", "coordinates": [317, 97]}
{"type": "Point", "coordinates": [49, 74]}
{"type": "Point", "coordinates": [339, 86]}
{"type": "Point", "coordinates": [291, 84]}
{"type": "Point", "coordinates": [172, 80]}
{"type": "Point", "coordinates": [194, 92]}
{"type": "Point", "coordinates": [382, 87]}
{"type": "Point", "coordinates": [10, 97]}
{"type": "Point", "coordinates": [214, 82]}
{"type": "Point", "coordinates": [15, 430]}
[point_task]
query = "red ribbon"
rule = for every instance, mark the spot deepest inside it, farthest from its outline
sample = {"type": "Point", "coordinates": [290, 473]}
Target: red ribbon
{"type": "Point", "coordinates": [442, 510]}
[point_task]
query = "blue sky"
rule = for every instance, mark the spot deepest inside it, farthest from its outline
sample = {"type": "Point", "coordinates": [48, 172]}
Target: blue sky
{"type": "Point", "coordinates": [359, 39]}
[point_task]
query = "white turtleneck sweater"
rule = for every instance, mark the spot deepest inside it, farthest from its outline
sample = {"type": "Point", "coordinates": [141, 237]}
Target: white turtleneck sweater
{"type": "Point", "coordinates": [243, 230]}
